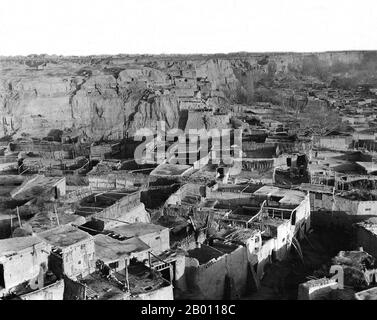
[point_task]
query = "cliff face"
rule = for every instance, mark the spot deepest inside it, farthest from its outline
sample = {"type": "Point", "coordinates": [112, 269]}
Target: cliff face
{"type": "Point", "coordinates": [112, 96]}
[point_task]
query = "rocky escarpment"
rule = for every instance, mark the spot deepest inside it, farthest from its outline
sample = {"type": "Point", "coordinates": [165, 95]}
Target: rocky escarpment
{"type": "Point", "coordinates": [109, 97]}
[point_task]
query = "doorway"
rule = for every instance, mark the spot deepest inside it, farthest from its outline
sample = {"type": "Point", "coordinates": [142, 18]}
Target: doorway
{"type": "Point", "coordinates": [2, 281]}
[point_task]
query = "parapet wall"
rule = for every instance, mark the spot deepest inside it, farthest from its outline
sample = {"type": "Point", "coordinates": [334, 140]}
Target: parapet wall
{"type": "Point", "coordinates": [186, 190]}
{"type": "Point", "coordinates": [163, 293]}
{"type": "Point", "coordinates": [355, 207]}
{"type": "Point", "coordinates": [117, 180]}
{"type": "Point", "coordinates": [366, 239]}
{"type": "Point", "coordinates": [54, 291]}
{"type": "Point", "coordinates": [316, 289]}
{"type": "Point", "coordinates": [123, 205]}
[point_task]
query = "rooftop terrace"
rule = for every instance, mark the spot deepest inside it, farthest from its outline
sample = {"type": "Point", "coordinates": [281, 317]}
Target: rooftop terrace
{"type": "Point", "coordinates": [111, 250]}
{"type": "Point", "coordinates": [15, 245]}
{"type": "Point", "coordinates": [171, 170]}
{"type": "Point", "coordinates": [35, 187]}
{"type": "Point", "coordinates": [205, 254]}
{"type": "Point", "coordinates": [64, 236]}
{"type": "Point", "coordinates": [283, 196]}
{"type": "Point", "coordinates": [141, 280]}
{"type": "Point", "coordinates": [137, 229]}
{"type": "Point", "coordinates": [97, 202]}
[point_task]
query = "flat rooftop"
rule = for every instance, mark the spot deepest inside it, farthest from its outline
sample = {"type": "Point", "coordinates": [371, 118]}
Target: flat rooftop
{"type": "Point", "coordinates": [237, 218]}
{"type": "Point", "coordinates": [14, 245]}
{"type": "Point", "coordinates": [358, 195]}
{"type": "Point", "coordinates": [241, 235]}
{"type": "Point", "coordinates": [137, 229]}
{"type": "Point", "coordinates": [110, 250]}
{"type": "Point", "coordinates": [246, 175]}
{"type": "Point", "coordinates": [205, 254]}
{"type": "Point", "coordinates": [11, 180]}
{"type": "Point", "coordinates": [191, 200]}
{"type": "Point", "coordinates": [99, 287]}
{"type": "Point", "coordinates": [123, 168]}
{"type": "Point", "coordinates": [46, 220]}
{"type": "Point", "coordinates": [64, 236]}
{"type": "Point", "coordinates": [369, 294]}
{"type": "Point", "coordinates": [35, 187]}
{"type": "Point", "coordinates": [368, 166]}
{"type": "Point", "coordinates": [238, 188]}
{"type": "Point", "coordinates": [319, 188]}
{"type": "Point", "coordinates": [206, 173]}
{"type": "Point", "coordinates": [96, 202]}
{"type": "Point", "coordinates": [141, 280]}
{"type": "Point", "coordinates": [246, 211]}
{"type": "Point", "coordinates": [318, 283]}
{"type": "Point", "coordinates": [288, 196]}
{"type": "Point", "coordinates": [168, 170]}
{"type": "Point", "coordinates": [274, 221]}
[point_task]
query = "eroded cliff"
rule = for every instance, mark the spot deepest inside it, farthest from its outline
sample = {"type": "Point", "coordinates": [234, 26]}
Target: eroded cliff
{"type": "Point", "coordinates": [109, 97]}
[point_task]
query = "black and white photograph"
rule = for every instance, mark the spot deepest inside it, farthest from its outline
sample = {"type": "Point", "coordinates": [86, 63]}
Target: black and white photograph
{"type": "Point", "coordinates": [188, 151]}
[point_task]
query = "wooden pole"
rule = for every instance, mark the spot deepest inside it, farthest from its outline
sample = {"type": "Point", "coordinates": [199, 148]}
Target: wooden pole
{"type": "Point", "coordinates": [19, 219]}
{"type": "Point", "coordinates": [56, 215]}
{"type": "Point", "coordinates": [11, 223]}
{"type": "Point", "coordinates": [127, 282]}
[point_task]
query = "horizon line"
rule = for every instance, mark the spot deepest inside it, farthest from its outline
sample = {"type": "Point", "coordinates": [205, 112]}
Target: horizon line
{"type": "Point", "coordinates": [31, 55]}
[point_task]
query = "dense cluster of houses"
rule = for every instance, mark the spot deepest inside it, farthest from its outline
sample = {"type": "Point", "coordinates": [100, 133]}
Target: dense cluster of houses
{"type": "Point", "coordinates": [85, 220]}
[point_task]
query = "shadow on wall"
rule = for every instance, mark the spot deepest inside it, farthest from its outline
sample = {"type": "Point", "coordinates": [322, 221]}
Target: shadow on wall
{"type": "Point", "coordinates": [336, 219]}
{"type": "Point", "coordinates": [230, 276]}
{"type": "Point", "coordinates": [183, 117]}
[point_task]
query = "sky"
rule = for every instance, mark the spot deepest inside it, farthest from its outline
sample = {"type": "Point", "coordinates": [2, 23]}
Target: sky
{"type": "Point", "coordinates": [88, 27]}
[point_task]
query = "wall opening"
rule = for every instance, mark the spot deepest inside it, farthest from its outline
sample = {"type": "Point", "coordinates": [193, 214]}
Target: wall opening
{"type": "Point", "coordinates": [318, 196]}
{"type": "Point", "coordinates": [273, 256]}
{"type": "Point", "coordinates": [293, 219]}
{"type": "Point", "coordinates": [114, 265]}
{"type": "Point", "coordinates": [2, 281]}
